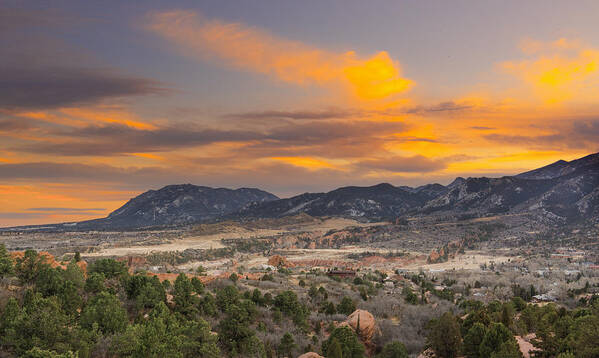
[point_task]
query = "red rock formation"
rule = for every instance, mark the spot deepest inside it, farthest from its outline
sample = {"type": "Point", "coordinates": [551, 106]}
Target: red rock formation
{"type": "Point", "coordinates": [50, 260]}
{"type": "Point", "coordinates": [433, 257]}
{"type": "Point", "coordinates": [205, 279]}
{"type": "Point", "coordinates": [279, 261]}
{"type": "Point", "coordinates": [132, 261]}
{"type": "Point", "coordinates": [374, 259]}
{"type": "Point", "coordinates": [323, 263]}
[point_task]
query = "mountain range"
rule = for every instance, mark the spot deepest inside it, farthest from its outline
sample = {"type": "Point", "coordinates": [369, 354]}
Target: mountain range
{"type": "Point", "coordinates": [560, 192]}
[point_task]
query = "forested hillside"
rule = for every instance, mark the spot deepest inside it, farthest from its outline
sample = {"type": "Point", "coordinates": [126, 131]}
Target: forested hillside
{"type": "Point", "coordinates": [53, 309]}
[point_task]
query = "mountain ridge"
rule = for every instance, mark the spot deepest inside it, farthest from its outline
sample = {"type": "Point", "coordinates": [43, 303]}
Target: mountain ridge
{"type": "Point", "coordinates": [560, 192]}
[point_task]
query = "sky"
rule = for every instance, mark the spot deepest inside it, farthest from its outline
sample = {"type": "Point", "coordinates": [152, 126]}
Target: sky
{"type": "Point", "coordinates": [101, 101]}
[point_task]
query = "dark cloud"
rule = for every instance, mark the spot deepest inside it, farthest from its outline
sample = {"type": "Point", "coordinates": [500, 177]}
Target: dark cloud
{"type": "Point", "coordinates": [419, 139]}
{"type": "Point", "coordinates": [40, 70]}
{"type": "Point", "coordinates": [399, 164]}
{"type": "Point", "coordinates": [13, 125]}
{"type": "Point", "coordinates": [523, 139]}
{"type": "Point", "coordinates": [51, 87]}
{"type": "Point", "coordinates": [62, 210]}
{"type": "Point", "coordinates": [481, 128]}
{"type": "Point", "coordinates": [19, 18]}
{"type": "Point", "coordinates": [18, 215]}
{"type": "Point", "coordinates": [339, 113]}
{"type": "Point", "coordinates": [116, 139]}
{"type": "Point", "coordinates": [277, 177]}
{"type": "Point", "coordinates": [582, 134]}
{"type": "Point", "coordinates": [319, 132]}
{"type": "Point", "coordinates": [305, 114]}
{"type": "Point", "coordinates": [441, 107]}
{"type": "Point", "coordinates": [73, 172]}
{"type": "Point", "coordinates": [588, 129]}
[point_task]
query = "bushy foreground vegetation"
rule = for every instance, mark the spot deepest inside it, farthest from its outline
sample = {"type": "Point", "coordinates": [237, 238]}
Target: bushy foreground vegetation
{"type": "Point", "coordinates": [108, 312]}
{"type": "Point", "coordinates": [488, 330]}
{"type": "Point", "coordinates": [105, 311]}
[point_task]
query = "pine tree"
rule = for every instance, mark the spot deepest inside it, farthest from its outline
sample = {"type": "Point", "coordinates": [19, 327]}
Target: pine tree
{"type": "Point", "coordinates": [334, 350]}
{"type": "Point", "coordinates": [287, 345]}
{"type": "Point", "coordinates": [473, 339]}
{"type": "Point", "coordinates": [445, 337]}
{"type": "Point", "coordinates": [6, 265]}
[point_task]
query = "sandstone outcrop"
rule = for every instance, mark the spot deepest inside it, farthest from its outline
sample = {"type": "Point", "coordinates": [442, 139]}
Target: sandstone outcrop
{"type": "Point", "coordinates": [279, 261]}
{"type": "Point", "coordinates": [364, 324]}
{"type": "Point", "coordinates": [49, 259]}
{"type": "Point", "coordinates": [310, 355]}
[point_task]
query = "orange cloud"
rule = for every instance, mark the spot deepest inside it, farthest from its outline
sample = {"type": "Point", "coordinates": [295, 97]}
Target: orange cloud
{"type": "Point", "coordinates": [562, 69]}
{"type": "Point", "coordinates": [307, 162]}
{"type": "Point", "coordinates": [81, 116]}
{"type": "Point", "coordinates": [149, 156]}
{"type": "Point", "coordinates": [254, 50]}
{"type": "Point", "coordinates": [119, 117]}
{"type": "Point", "coordinates": [530, 46]}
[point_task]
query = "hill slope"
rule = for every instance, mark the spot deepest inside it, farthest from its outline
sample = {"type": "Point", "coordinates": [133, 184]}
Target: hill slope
{"type": "Point", "coordinates": [179, 204]}
{"type": "Point", "coordinates": [560, 192]}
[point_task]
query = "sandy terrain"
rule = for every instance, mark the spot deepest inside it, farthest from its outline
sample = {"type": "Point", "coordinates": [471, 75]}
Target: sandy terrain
{"type": "Point", "coordinates": [471, 260]}
{"type": "Point", "coordinates": [237, 233]}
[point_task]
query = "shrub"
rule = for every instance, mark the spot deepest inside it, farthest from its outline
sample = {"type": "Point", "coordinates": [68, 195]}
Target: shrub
{"type": "Point", "coordinates": [346, 306]}
{"type": "Point", "coordinates": [350, 346]}
{"type": "Point", "coordinates": [444, 336]}
{"type": "Point", "coordinates": [109, 267]}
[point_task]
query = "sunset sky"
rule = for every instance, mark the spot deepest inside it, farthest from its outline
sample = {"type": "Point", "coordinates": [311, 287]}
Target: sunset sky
{"type": "Point", "coordinates": [100, 101]}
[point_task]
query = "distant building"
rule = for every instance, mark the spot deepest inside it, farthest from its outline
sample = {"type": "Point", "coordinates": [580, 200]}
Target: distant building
{"type": "Point", "coordinates": [545, 297]}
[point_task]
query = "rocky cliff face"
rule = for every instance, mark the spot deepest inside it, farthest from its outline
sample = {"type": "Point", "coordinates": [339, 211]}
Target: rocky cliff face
{"type": "Point", "coordinates": [562, 191]}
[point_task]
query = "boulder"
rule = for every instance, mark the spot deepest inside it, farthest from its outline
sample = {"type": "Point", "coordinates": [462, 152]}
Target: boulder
{"type": "Point", "coordinates": [363, 323]}
{"type": "Point", "coordinates": [429, 353]}
{"type": "Point", "coordinates": [310, 355]}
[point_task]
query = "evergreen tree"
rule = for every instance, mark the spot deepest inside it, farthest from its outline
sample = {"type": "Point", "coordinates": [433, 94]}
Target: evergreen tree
{"type": "Point", "coordinates": [351, 346]}
{"type": "Point", "coordinates": [508, 349]}
{"type": "Point", "coordinates": [74, 274]}
{"type": "Point", "coordinates": [445, 337]}
{"type": "Point", "coordinates": [106, 312]}
{"type": "Point", "coordinates": [584, 335]}
{"type": "Point", "coordinates": [109, 267]}
{"type": "Point", "coordinates": [6, 264]}
{"type": "Point", "coordinates": [43, 353]}
{"type": "Point", "coordinates": [95, 282]}
{"type": "Point", "coordinates": [334, 349]}
{"type": "Point", "coordinates": [182, 294]}
{"type": "Point", "coordinates": [496, 336]}
{"type": "Point", "coordinates": [393, 350]}
{"type": "Point", "coordinates": [506, 317]}
{"type": "Point", "coordinates": [234, 277]}
{"type": "Point", "coordinates": [473, 339]}
{"type": "Point", "coordinates": [197, 284]}
{"type": "Point", "coordinates": [287, 345]}
{"type": "Point", "coordinates": [346, 306]}
{"type": "Point", "coordinates": [29, 266]}
{"type": "Point", "coordinates": [164, 335]}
